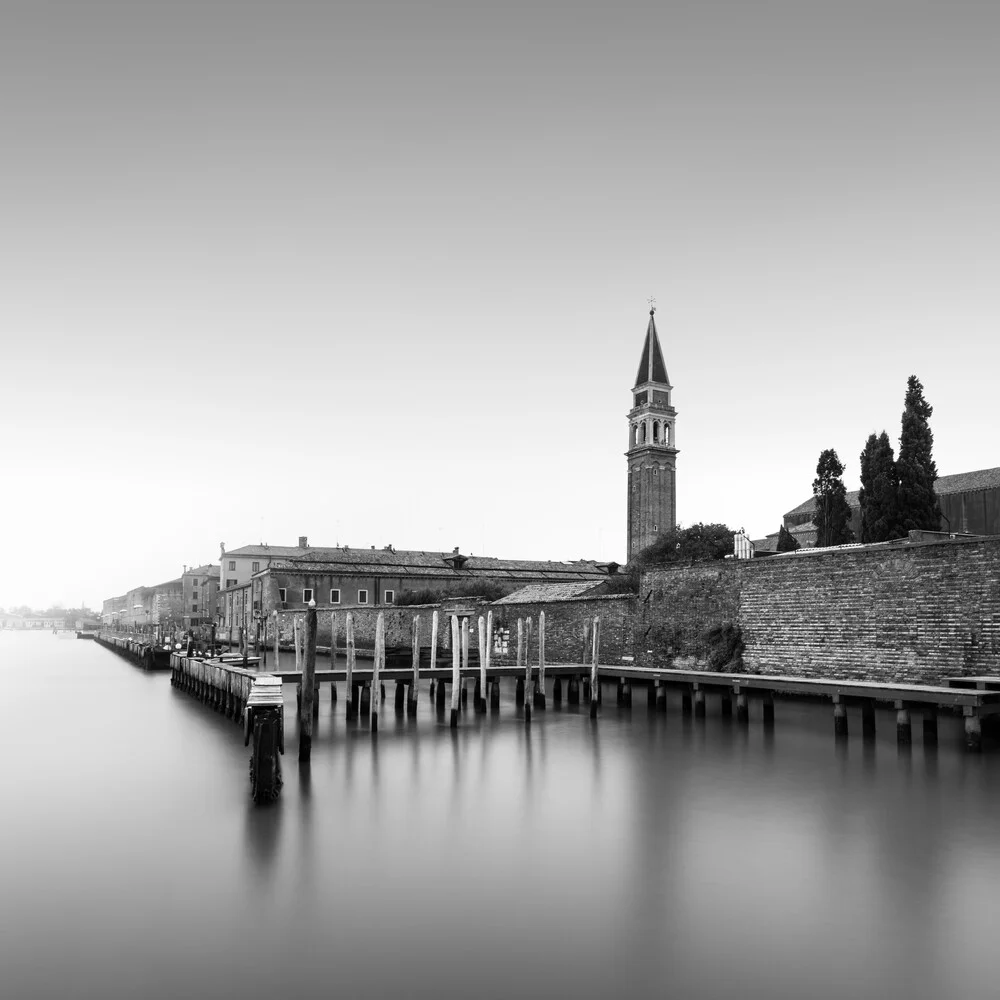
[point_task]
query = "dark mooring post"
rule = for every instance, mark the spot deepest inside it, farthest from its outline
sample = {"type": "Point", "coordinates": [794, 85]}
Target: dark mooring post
{"type": "Point", "coordinates": [527, 671]}
{"type": "Point", "coordinates": [519, 687]}
{"type": "Point", "coordinates": [456, 669]}
{"type": "Point", "coordinates": [481, 681]}
{"type": "Point", "coordinates": [930, 725]}
{"type": "Point", "coordinates": [973, 729]}
{"type": "Point", "coordinates": [434, 652]}
{"type": "Point", "coordinates": [264, 724]}
{"type": "Point", "coordinates": [661, 698]}
{"type": "Point", "coordinates": [349, 654]}
{"type": "Point", "coordinates": [308, 685]}
{"type": "Point", "coordinates": [839, 717]}
{"type": "Point", "coordinates": [742, 706]}
{"type": "Point", "coordinates": [465, 661]}
{"type": "Point", "coordinates": [377, 666]}
{"type": "Point", "coordinates": [411, 703]}
{"type": "Point", "coordinates": [699, 701]}
{"type": "Point", "coordinates": [399, 699]}
{"type": "Point", "coordinates": [868, 720]}
{"type": "Point", "coordinates": [726, 704]}
{"type": "Point", "coordinates": [904, 731]}
{"type": "Point", "coordinates": [686, 700]}
{"type": "Point", "coordinates": [540, 690]}
{"type": "Point", "coordinates": [767, 708]}
{"type": "Point", "coordinates": [595, 681]}
{"type": "Point", "coordinates": [333, 655]}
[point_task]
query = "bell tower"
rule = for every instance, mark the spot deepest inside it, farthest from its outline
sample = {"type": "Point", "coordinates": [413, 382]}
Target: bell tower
{"type": "Point", "coordinates": [651, 455]}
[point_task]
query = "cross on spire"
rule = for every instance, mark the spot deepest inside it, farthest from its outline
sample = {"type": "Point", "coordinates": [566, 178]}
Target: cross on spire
{"type": "Point", "coordinates": [652, 305]}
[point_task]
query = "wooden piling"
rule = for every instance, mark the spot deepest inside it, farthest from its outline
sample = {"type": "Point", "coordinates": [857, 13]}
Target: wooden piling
{"type": "Point", "coordinates": [308, 685]}
{"type": "Point", "coordinates": [930, 725]}
{"type": "Point", "coordinates": [399, 699]}
{"type": "Point", "coordinates": [434, 653]}
{"type": "Point", "coordinates": [868, 720]}
{"type": "Point", "coordinates": [495, 683]}
{"type": "Point", "coordinates": [661, 698]}
{"type": "Point", "coordinates": [557, 691]}
{"type": "Point", "coordinates": [528, 695]}
{"type": "Point", "coordinates": [519, 688]}
{"type": "Point", "coordinates": [465, 661]}
{"type": "Point", "coordinates": [365, 701]}
{"type": "Point", "coordinates": [540, 689]}
{"type": "Point", "coordinates": [480, 699]}
{"type": "Point", "coordinates": [742, 707]}
{"type": "Point", "coordinates": [839, 717]}
{"type": "Point", "coordinates": [686, 700]}
{"type": "Point", "coordinates": [904, 731]}
{"type": "Point", "coordinates": [456, 668]}
{"type": "Point", "coordinates": [411, 704]}
{"type": "Point", "coordinates": [973, 729]}
{"type": "Point", "coordinates": [768, 710]}
{"type": "Point", "coordinates": [277, 663]}
{"type": "Point", "coordinates": [595, 683]}
{"type": "Point", "coordinates": [349, 655]}
{"type": "Point", "coordinates": [377, 667]}
{"type": "Point", "coordinates": [699, 701]}
{"type": "Point", "coordinates": [333, 655]}
{"type": "Point", "coordinates": [726, 704]}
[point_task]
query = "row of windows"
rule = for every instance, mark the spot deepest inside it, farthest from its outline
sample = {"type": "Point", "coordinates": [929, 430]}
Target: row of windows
{"type": "Point", "coordinates": [254, 567]}
{"type": "Point", "coordinates": [307, 596]}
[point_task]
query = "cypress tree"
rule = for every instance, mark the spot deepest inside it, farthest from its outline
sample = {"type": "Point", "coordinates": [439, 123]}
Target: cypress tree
{"type": "Point", "coordinates": [879, 487]}
{"type": "Point", "coordinates": [918, 504]}
{"type": "Point", "coordinates": [831, 511]}
{"type": "Point", "coordinates": [787, 542]}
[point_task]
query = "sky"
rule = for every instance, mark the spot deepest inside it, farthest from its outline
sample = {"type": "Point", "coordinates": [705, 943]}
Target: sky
{"type": "Point", "coordinates": [378, 272]}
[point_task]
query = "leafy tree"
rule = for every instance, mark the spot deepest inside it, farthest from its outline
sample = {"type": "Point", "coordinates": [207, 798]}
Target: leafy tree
{"type": "Point", "coordinates": [879, 491]}
{"type": "Point", "coordinates": [918, 504]}
{"type": "Point", "coordinates": [697, 543]}
{"type": "Point", "coordinates": [488, 590]}
{"type": "Point", "coordinates": [832, 513]}
{"type": "Point", "coordinates": [787, 542]}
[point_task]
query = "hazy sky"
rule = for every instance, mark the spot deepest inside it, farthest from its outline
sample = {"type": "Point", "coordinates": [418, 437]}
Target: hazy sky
{"type": "Point", "coordinates": [378, 272]}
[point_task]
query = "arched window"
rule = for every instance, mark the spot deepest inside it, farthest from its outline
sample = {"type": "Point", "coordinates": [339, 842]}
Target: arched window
{"type": "Point", "coordinates": [656, 432]}
{"type": "Point", "coordinates": [643, 439]}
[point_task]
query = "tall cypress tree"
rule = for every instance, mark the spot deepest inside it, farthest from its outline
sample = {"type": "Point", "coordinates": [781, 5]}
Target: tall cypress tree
{"type": "Point", "coordinates": [831, 511]}
{"type": "Point", "coordinates": [879, 487]}
{"type": "Point", "coordinates": [918, 504]}
{"type": "Point", "coordinates": [787, 542]}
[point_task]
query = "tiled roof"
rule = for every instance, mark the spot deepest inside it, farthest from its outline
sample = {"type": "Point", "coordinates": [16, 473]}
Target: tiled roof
{"type": "Point", "coordinates": [540, 593]}
{"type": "Point", "coordinates": [961, 482]}
{"type": "Point", "coordinates": [434, 564]}
{"type": "Point", "coordinates": [208, 568]}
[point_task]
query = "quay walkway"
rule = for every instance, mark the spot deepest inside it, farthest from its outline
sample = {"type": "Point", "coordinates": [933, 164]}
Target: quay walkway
{"type": "Point", "coordinates": [226, 684]}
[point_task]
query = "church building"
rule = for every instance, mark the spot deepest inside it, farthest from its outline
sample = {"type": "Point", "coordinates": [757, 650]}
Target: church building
{"type": "Point", "coordinates": [652, 451]}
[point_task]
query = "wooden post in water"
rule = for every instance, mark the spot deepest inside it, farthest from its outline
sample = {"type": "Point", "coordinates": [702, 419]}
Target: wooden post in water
{"type": "Point", "coordinates": [930, 725]}
{"type": "Point", "coordinates": [519, 688]}
{"type": "Point", "coordinates": [434, 650]}
{"type": "Point", "coordinates": [377, 666]}
{"type": "Point", "coordinates": [973, 729]}
{"type": "Point", "coordinates": [465, 658]}
{"type": "Point", "coordinates": [277, 662]}
{"type": "Point", "coordinates": [495, 683]}
{"type": "Point", "coordinates": [904, 733]}
{"type": "Point", "coordinates": [540, 688]}
{"type": "Point", "coordinates": [595, 682]}
{"type": "Point", "coordinates": [481, 692]}
{"type": "Point", "coordinates": [767, 708]}
{"type": "Point", "coordinates": [868, 719]}
{"type": "Point", "coordinates": [456, 669]}
{"type": "Point", "coordinates": [839, 717]}
{"type": "Point", "coordinates": [308, 685]}
{"type": "Point", "coordinates": [742, 705]}
{"type": "Point", "coordinates": [333, 655]}
{"type": "Point", "coordinates": [349, 685]}
{"type": "Point", "coordinates": [411, 704]}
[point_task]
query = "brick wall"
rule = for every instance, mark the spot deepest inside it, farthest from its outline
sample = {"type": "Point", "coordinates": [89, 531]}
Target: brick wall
{"type": "Point", "coordinates": [917, 612]}
{"type": "Point", "coordinates": [564, 622]}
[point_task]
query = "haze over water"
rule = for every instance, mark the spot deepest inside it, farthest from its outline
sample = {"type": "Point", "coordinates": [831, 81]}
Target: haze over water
{"type": "Point", "coordinates": [659, 856]}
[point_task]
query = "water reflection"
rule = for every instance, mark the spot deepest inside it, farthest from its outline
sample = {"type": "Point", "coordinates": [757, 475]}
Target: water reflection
{"type": "Point", "coordinates": [664, 855]}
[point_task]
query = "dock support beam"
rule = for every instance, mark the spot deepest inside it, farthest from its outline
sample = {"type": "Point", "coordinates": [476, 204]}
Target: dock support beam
{"type": "Point", "coordinates": [868, 720]}
{"type": "Point", "coordinates": [973, 730]}
{"type": "Point", "coordinates": [768, 710]}
{"type": "Point", "coordinates": [573, 690]}
{"type": "Point", "coordinates": [930, 725]}
{"type": "Point", "coordinates": [904, 732]}
{"type": "Point", "coordinates": [839, 718]}
{"type": "Point", "coordinates": [699, 702]}
{"type": "Point", "coordinates": [686, 701]}
{"type": "Point", "coordinates": [742, 707]}
{"type": "Point", "coordinates": [661, 698]}
{"type": "Point", "coordinates": [557, 691]}
{"type": "Point", "coordinates": [726, 705]}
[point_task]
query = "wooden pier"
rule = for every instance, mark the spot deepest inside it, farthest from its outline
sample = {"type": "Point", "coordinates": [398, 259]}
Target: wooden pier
{"type": "Point", "coordinates": [141, 652]}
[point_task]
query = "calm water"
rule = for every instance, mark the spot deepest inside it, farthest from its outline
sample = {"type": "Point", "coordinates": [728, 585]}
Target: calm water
{"type": "Point", "coordinates": [662, 857]}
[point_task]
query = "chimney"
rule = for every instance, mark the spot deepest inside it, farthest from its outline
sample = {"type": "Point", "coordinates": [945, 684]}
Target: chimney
{"type": "Point", "coordinates": [303, 542]}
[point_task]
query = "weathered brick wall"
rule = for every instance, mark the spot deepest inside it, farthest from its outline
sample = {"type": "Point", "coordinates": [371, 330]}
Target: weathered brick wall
{"type": "Point", "coordinates": [564, 623]}
{"type": "Point", "coordinates": [916, 613]}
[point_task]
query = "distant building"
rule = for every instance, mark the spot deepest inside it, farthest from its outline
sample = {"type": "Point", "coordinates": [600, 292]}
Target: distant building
{"type": "Point", "coordinates": [200, 591]}
{"type": "Point", "coordinates": [970, 502]}
{"type": "Point", "coordinates": [289, 578]}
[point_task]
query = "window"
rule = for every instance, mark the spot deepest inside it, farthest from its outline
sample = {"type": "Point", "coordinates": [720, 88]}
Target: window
{"type": "Point", "coordinates": [194, 594]}
{"type": "Point", "coordinates": [230, 583]}
{"type": "Point", "coordinates": [655, 528]}
{"type": "Point", "coordinates": [232, 565]}
{"type": "Point", "coordinates": [307, 595]}
{"type": "Point", "coordinates": [194, 607]}
{"type": "Point", "coordinates": [281, 594]}
{"type": "Point", "coordinates": [362, 597]}
{"type": "Point", "coordinates": [390, 596]}
{"type": "Point", "coordinates": [255, 568]}
{"type": "Point", "coordinates": [335, 597]}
